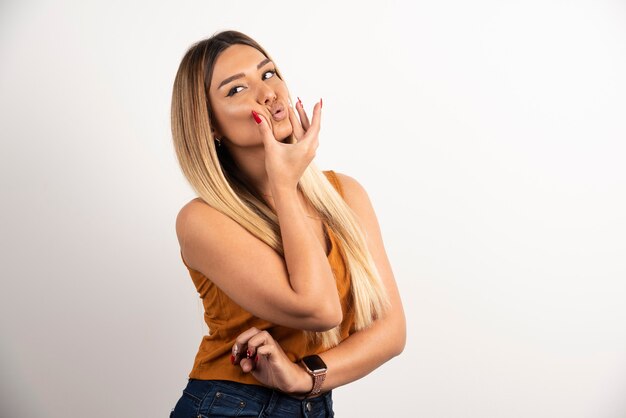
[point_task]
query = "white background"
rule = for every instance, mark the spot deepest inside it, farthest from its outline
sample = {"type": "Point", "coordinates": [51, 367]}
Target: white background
{"type": "Point", "coordinates": [488, 134]}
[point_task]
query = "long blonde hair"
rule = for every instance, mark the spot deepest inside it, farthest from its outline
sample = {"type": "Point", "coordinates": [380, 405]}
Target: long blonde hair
{"type": "Point", "coordinates": [213, 175]}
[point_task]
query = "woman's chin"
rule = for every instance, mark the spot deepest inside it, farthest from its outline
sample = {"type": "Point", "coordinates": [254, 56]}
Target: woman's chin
{"type": "Point", "coordinates": [283, 133]}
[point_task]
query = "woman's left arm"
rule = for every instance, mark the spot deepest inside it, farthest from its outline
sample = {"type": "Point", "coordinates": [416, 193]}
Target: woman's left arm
{"type": "Point", "coordinates": [365, 350]}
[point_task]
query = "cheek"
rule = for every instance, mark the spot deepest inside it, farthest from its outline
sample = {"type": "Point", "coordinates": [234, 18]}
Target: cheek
{"type": "Point", "coordinates": [235, 120]}
{"type": "Point", "coordinates": [282, 129]}
{"type": "Point", "coordinates": [236, 112]}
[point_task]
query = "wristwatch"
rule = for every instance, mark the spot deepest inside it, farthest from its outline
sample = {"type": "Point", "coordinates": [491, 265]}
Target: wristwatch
{"type": "Point", "coordinates": [316, 367]}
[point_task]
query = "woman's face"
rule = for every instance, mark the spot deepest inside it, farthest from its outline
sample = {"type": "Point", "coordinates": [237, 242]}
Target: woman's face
{"type": "Point", "coordinates": [256, 87]}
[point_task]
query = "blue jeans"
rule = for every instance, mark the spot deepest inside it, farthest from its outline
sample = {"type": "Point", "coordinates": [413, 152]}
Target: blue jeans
{"type": "Point", "coordinates": [224, 398]}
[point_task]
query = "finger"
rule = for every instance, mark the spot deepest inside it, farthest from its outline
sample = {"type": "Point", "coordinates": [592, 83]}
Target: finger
{"type": "Point", "coordinates": [314, 129]}
{"type": "Point", "coordinates": [240, 345]}
{"type": "Point", "coordinates": [261, 351]}
{"type": "Point", "coordinates": [247, 365]}
{"type": "Point", "coordinates": [265, 128]}
{"type": "Point", "coordinates": [235, 354]}
{"type": "Point", "coordinates": [303, 116]}
{"type": "Point", "coordinates": [263, 355]}
{"type": "Point", "coordinates": [262, 359]}
{"type": "Point", "coordinates": [264, 352]}
{"type": "Point", "coordinates": [298, 131]}
{"type": "Point", "coordinates": [261, 339]}
{"type": "Point", "coordinates": [254, 362]}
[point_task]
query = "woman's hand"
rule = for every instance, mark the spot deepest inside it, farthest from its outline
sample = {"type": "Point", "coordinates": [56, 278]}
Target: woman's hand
{"type": "Point", "coordinates": [268, 363]}
{"type": "Point", "coordinates": [285, 163]}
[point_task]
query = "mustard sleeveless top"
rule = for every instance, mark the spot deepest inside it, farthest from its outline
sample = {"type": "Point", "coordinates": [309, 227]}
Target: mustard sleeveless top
{"type": "Point", "coordinates": [226, 320]}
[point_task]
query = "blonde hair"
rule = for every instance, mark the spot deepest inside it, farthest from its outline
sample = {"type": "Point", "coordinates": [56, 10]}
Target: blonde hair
{"type": "Point", "coordinates": [212, 174]}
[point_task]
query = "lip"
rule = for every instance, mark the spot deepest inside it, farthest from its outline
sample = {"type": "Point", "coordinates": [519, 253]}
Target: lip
{"type": "Point", "coordinates": [278, 112]}
{"type": "Point", "coordinates": [280, 115]}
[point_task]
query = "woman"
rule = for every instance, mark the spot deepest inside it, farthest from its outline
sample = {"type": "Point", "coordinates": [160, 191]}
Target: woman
{"type": "Point", "coordinates": [298, 293]}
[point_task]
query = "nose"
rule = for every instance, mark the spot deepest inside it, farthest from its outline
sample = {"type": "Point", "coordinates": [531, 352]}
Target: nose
{"type": "Point", "coordinates": [266, 94]}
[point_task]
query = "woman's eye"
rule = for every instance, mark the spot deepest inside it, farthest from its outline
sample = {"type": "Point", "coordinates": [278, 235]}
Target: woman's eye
{"type": "Point", "coordinates": [270, 71]}
{"type": "Point", "coordinates": [234, 89]}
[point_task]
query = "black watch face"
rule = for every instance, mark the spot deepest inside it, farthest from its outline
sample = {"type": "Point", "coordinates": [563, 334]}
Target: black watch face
{"type": "Point", "coordinates": [314, 363]}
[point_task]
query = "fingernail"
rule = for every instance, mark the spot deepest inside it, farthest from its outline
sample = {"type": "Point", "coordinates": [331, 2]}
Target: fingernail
{"type": "Point", "coordinates": [299, 101]}
{"type": "Point", "coordinates": [248, 353]}
{"type": "Point", "coordinates": [232, 359]}
{"type": "Point", "coordinates": [321, 103]}
{"type": "Point", "coordinates": [256, 358]}
{"type": "Point", "coordinates": [256, 117]}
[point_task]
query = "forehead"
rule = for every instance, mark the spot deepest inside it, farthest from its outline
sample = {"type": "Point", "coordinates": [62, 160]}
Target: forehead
{"type": "Point", "coordinates": [235, 59]}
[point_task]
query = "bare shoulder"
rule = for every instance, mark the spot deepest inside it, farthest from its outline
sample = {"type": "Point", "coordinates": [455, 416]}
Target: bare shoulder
{"type": "Point", "coordinates": [194, 210]}
{"type": "Point", "coordinates": [354, 193]}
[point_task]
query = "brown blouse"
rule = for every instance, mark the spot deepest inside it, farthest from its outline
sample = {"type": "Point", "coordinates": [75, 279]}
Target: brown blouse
{"type": "Point", "coordinates": [226, 320]}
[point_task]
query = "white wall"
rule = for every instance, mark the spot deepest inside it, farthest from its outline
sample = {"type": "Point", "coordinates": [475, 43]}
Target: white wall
{"type": "Point", "coordinates": [489, 135]}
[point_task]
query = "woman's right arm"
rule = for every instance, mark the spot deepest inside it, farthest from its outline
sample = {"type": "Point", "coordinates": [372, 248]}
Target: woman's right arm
{"type": "Point", "coordinates": [298, 291]}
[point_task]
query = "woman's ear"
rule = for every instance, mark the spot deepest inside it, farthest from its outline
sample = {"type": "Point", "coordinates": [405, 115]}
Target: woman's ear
{"type": "Point", "coordinates": [215, 131]}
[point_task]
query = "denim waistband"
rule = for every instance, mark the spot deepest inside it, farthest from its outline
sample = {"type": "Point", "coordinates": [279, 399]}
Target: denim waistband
{"type": "Point", "coordinates": [275, 401]}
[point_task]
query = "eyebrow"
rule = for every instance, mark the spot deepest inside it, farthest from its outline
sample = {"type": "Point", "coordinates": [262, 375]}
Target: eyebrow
{"type": "Point", "coordinates": [239, 75]}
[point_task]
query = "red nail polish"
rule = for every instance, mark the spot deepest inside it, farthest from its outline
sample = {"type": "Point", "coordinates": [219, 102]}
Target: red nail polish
{"type": "Point", "coordinates": [321, 103]}
{"type": "Point", "coordinates": [256, 117]}
{"type": "Point", "coordinates": [232, 359]}
{"type": "Point", "coordinates": [248, 353]}
{"type": "Point", "coordinates": [299, 101]}
{"type": "Point", "coordinates": [256, 358]}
